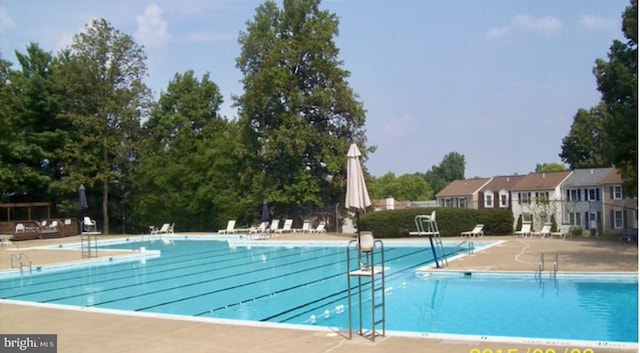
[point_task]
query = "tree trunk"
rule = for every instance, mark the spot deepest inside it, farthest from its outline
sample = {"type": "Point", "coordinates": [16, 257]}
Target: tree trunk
{"type": "Point", "coordinates": [105, 208]}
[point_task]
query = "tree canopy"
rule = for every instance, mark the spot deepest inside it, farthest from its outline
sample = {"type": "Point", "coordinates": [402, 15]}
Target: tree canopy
{"type": "Point", "coordinates": [608, 134]}
{"type": "Point", "coordinates": [407, 187]}
{"type": "Point", "coordinates": [297, 114]}
{"type": "Point", "coordinates": [451, 168]}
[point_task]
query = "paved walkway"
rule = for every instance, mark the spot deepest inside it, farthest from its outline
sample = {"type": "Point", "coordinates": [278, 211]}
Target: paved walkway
{"type": "Point", "coordinates": [87, 330]}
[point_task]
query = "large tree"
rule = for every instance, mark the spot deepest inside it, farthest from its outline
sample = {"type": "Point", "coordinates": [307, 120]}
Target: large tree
{"type": "Point", "coordinates": [8, 179]}
{"type": "Point", "coordinates": [102, 75]}
{"type": "Point", "coordinates": [411, 187]}
{"type": "Point", "coordinates": [608, 134]}
{"type": "Point", "coordinates": [451, 168]}
{"type": "Point", "coordinates": [34, 134]}
{"type": "Point", "coordinates": [586, 145]}
{"type": "Point", "coordinates": [618, 82]}
{"type": "Point", "coordinates": [188, 171]}
{"type": "Point", "coordinates": [298, 114]}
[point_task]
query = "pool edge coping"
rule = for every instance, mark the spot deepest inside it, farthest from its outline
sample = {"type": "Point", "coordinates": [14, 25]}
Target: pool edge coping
{"type": "Point", "coordinates": [333, 330]}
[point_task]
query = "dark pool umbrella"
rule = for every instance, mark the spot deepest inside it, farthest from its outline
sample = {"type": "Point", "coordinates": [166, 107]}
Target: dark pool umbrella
{"type": "Point", "coordinates": [82, 201]}
{"type": "Point", "coordinates": [265, 216]}
{"type": "Point", "coordinates": [357, 198]}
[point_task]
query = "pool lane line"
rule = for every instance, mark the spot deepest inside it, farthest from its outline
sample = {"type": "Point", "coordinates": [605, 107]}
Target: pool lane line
{"type": "Point", "coordinates": [367, 286]}
{"type": "Point", "coordinates": [321, 266]}
{"type": "Point", "coordinates": [160, 279]}
{"type": "Point", "coordinates": [170, 288]}
{"type": "Point", "coordinates": [165, 268]}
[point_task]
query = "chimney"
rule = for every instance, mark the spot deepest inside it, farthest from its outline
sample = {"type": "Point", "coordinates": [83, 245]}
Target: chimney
{"type": "Point", "coordinates": [390, 203]}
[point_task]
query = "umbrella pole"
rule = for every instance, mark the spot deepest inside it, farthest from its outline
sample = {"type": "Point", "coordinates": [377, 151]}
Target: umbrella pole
{"type": "Point", "coordinates": [359, 247]}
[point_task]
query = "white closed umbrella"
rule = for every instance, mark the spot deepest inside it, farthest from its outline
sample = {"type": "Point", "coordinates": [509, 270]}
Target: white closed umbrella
{"type": "Point", "coordinates": [357, 198]}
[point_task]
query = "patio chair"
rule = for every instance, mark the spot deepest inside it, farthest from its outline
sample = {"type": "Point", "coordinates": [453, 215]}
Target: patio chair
{"type": "Point", "coordinates": [274, 225]}
{"type": "Point", "coordinates": [89, 225]}
{"type": "Point", "coordinates": [545, 231]}
{"type": "Point", "coordinates": [525, 231]}
{"type": "Point", "coordinates": [259, 229]}
{"type": "Point", "coordinates": [20, 228]}
{"type": "Point", "coordinates": [304, 229]}
{"type": "Point", "coordinates": [320, 228]}
{"type": "Point", "coordinates": [231, 225]}
{"type": "Point", "coordinates": [286, 228]}
{"type": "Point", "coordinates": [563, 232]}
{"type": "Point", "coordinates": [365, 244]}
{"type": "Point", "coordinates": [475, 232]}
{"type": "Point", "coordinates": [166, 229]}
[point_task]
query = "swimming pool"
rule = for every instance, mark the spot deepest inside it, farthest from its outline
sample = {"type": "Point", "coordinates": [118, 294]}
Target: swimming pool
{"type": "Point", "coordinates": [290, 283]}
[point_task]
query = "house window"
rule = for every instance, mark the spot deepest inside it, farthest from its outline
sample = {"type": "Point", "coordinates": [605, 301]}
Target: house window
{"type": "Point", "coordinates": [618, 219]}
{"type": "Point", "coordinates": [575, 219]}
{"type": "Point", "coordinates": [573, 195]}
{"type": "Point", "coordinates": [542, 196]}
{"type": "Point", "coordinates": [616, 192]}
{"type": "Point", "coordinates": [447, 202]}
{"type": "Point", "coordinates": [593, 194]}
{"type": "Point", "coordinates": [462, 202]}
{"type": "Point", "coordinates": [524, 198]}
{"type": "Point", "coordinates": [488, 201]}
{"type": "Point", "coordinates": [503, 200]}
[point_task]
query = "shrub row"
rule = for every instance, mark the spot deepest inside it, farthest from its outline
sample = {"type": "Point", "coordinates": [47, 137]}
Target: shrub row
{"type": "Point", "coordinates": [451, 221]}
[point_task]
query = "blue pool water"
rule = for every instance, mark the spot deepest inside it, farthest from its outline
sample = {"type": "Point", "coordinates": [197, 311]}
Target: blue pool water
{"type": "Point", "coordinates": [293, 284]}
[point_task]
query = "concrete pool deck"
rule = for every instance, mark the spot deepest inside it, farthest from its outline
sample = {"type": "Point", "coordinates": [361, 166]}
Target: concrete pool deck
{"type": "Point", "coordinates": [86, 330]}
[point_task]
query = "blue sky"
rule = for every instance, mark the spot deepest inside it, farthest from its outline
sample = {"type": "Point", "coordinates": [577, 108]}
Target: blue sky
{"type": "Point", "coordinates": [498, 81]}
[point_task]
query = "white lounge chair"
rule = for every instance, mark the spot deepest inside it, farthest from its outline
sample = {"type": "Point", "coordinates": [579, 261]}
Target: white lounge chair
{"type": "Point", "coordinates": [20, 228]}
{"type": "Point", "coordinates": [304, 229]}
{"type": "Point", "coordinates": [319, 229]}
{"type": "Point", "coordinates": [274, 225]}
{"type": "Point", "coordinates": [545, 231]}
{"type": "Point", "coordinates": [564, 232]}
{"type": "Point", "coordinates": [286, 228]}
{"type": "Point", "coordinates": [166, 229]}
{"type": "Point", "coordinates": [50, 228]}
{"type": "Point", "coordinates": [475, 232]}
{"type": "Point", "coordinates": [525, 231]}
{"type": "Point", "coordinates": [231, 225]}
{"type": "Point", "coordinates": [259, 229]}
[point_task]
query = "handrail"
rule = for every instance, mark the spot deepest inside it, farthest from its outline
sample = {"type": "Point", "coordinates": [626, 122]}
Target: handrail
{"type": "Point", "coordinates": [541, 264]}
{"type": "Point", "coordinates": [19, 258]}
{"type": "Point", "coordinates": [470, 246]}
{"type": "Point", "coordinates": [556, 265]}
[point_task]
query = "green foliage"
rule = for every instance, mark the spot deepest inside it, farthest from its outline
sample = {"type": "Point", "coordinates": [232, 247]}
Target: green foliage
{"type": "Point", "coordinates": [298, 114]}
{"type": "Point", "coordinates": [406, 187]}
{"type": "Point", "coordinates": [550, 167]}
{"type": "Point", "coordinates": [451, 221]}
{"type": "Point", "coordinates": [554, 223]}
{"type": "Point", "coordinates": [586, 145]}
{"type": "Point", "coordinates": [33, 136]}
{"type": "Point", "coordinates": [101, 76]}
{"type": "Point", "coordinates": [451, 168]}
{"type": "Point", "coordinates": [618, 82]}
{"type": "Point", "coordinates": [187, 172]}
{"type": "Point", "coordinates": [611, 130]}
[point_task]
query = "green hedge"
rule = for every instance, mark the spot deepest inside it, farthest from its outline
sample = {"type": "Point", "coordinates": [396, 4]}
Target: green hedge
{"type": "Point", "coordinates": [451, 221]}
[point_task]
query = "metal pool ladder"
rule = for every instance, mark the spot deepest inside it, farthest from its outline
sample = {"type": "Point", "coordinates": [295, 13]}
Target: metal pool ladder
{"type": "Point", "coordinates": [368, 250]}
{"type": "Point", "coordinates": [556, 266]}
{"type": "Point", "coordinates": [20, 258]}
